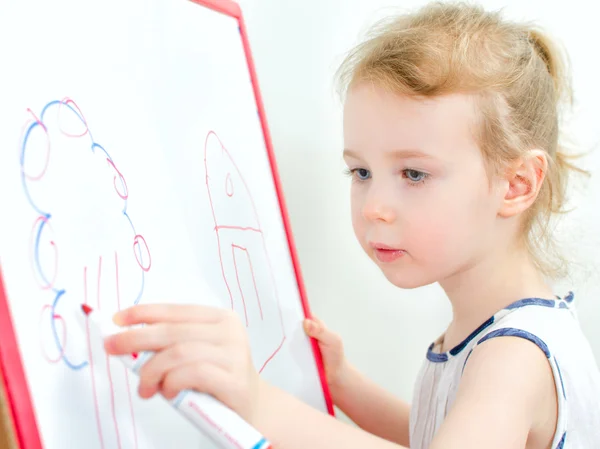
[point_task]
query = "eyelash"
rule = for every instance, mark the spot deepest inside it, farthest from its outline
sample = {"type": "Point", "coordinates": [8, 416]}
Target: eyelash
{"type": "Point", "coordinates": [352, 173]}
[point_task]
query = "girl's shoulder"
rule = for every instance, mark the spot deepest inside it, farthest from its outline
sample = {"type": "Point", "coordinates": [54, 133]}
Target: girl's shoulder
{"type": "Point", "coordinates": [552, 325]}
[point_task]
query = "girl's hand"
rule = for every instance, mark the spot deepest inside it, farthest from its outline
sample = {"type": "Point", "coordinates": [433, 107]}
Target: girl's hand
{"type": "Point", "coordinates": [196, 347]}
{"type": "Point", "coordinates": [332, 350]}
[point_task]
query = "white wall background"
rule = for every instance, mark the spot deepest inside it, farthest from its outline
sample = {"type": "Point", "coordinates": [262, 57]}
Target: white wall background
{"type": "Point", "coordinates": [297, 46]}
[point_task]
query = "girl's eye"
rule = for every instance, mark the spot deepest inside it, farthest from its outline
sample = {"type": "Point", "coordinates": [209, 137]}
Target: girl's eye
{"type": "Point", "coordinates": [414, 176]}
{"type": "Point", "coordinates": [360, 174]}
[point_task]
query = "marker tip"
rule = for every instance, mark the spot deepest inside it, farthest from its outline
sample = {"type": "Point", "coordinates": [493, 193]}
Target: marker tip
{"type": "Point", "coordinates": [86, 309]}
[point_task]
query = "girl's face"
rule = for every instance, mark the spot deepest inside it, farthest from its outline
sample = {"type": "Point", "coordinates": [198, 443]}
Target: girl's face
{"type": "Point", "coordinates": [423, 207]}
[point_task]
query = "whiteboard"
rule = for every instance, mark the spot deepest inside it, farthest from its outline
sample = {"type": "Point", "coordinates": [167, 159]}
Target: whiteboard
{"type": "Point", "coordinates": [134, 169]}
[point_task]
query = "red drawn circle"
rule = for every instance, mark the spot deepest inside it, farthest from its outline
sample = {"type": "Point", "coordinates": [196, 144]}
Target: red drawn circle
{"type": "Point", "coordinates": [42, 172]}
{"type": "Point", "coordinates": [136, 242]}
{"type": "Point", "coordinates": [68, 101]}
{"type": "Point", "coordinates": [124, 195]}
{"type": "Point", "coordinates": [63, 343]}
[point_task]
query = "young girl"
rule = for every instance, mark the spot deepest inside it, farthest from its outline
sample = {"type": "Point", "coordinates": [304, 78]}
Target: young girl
{"type": "Point", "coordinates": [451, 127]}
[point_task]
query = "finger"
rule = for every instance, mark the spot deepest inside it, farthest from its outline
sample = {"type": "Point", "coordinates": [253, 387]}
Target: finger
{"type": "Point", "coordinates": [317, 329]}
{"type": "Point", "coordinates": [202, 377]}
{"type": "Point", "coordinates": [160, 313]}
{"type": "Point", "coordinates": [312, 326]}
{"type": "Point", "coordinates": [156, 337]}
{"type": "Point", "coordinates": [153, 372]}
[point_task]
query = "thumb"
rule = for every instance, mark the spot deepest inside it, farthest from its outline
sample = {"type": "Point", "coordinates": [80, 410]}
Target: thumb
{"type": "Point", "coordinates": [315, 328]}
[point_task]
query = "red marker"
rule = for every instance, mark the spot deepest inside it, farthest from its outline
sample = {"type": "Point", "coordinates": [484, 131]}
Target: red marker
{"type": "Point", "coordinates": [221, 424]}
{"type": "Point", "coordinates": [87, 310]}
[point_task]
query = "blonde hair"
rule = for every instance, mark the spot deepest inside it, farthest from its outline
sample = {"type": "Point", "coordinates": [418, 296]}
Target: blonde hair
{"type": "Point", "coordinates": [517, 75]}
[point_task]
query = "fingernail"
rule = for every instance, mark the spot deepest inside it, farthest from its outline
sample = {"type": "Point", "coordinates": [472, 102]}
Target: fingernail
{"type": "Point", "coordinates": [118, 319]}
{"type": "Point", "coordinates": [145, 393]}
{"type": "Point", "coordinates": [109, 344]}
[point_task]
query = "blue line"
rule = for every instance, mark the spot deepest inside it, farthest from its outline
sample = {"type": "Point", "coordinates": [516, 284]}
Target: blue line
{"type": "Point", "coordinates": [139, 296]}
{"type": "Point", "coordinates": [37, 253]}
{"type": "Point", "coordinates": [130, 222]}
{"type": "Point", "coordinates": [52, 103]}
{"type": "Point", "coordinates": [141, 259]}
{"type": "Point", "coordinates": [60, 292]}
{"type": "Point", "coordinates": [57, 339]}
{"type": "Point", "coordinates": [23, 177]}
{"type": "Point", "coordinates": [97, 145]}
{"type": "Point", "coordinates": [25, 138]}
{"type": "Point", "coordinates": [59, 102]}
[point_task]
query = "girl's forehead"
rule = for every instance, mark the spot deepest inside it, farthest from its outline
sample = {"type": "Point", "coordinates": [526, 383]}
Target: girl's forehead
{"type": "Point", "coordinates": [375, 118]}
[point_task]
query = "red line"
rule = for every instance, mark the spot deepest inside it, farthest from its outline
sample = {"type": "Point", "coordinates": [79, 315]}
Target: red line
{"type": "Point", "coordinates": [64, 335]}
{"type": "Point", "coordinates": [66, 101]}
{"type": "Point", "coordinates": [227, 7]}
{"type": "Point", "coordinates": [112, 400]}
{"type": "Point", "coordinates": [233, 247]}
{"type": "Point", "coordinates": [212, 209]}
{"type": "Point", "coordinates": [136, 241]}
{"type": "Point", "coordinates": [131, 406]}
{"type": "Point", "coordinates": [218, 227]}
{"type": "Point", "coordinates": [288, 233]}
{"type": "Point", "coordinates": [43, 172]}
{"type": "Point", "coordinates": [125, 369]}
{"type": "Point", "coordinates": [254, 282]}
{"type": "Point", "coordinates": [125, 195]}
{"type": "Point", "coordinates": [272, 355]}
{"type": "Point", "coordinates": [89, 342]}
{"type": "Point", "coordinates": [110, 381]}
{"type": "Point", "coordinates": [239, 228]}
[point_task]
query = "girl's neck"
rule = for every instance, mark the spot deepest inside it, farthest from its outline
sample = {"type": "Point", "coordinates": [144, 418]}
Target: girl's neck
{"type": "Point", "coordinates": [487, 287]}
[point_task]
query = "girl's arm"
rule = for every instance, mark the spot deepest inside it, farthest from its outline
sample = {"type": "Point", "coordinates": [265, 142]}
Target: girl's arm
{"type": "Point", "coordinates": [372, 408]}
{"type": "Point", "coordinates": [501, 403]}
{"type": "Point", "coordinates": [502, 399]}
{"type": "Point", "coordinates": [291, 424]}
{"type": "Point", "coordinates": [367, 404]}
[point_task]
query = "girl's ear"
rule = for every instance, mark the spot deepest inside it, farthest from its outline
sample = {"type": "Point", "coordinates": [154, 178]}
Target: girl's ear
{"type": "Point", "coordinates": [525, 177]}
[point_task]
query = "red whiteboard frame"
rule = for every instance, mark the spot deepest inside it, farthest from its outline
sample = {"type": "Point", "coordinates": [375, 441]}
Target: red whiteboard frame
{"type": "Point", "coordinates": [18, 397]}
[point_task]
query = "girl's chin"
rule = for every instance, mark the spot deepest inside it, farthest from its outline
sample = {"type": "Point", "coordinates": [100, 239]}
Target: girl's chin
{"type": "Point", "coordinates": [402, 275]}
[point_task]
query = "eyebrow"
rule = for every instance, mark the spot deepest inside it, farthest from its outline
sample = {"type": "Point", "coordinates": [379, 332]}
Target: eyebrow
{"type": "Point", "coordinates": [397, 154]}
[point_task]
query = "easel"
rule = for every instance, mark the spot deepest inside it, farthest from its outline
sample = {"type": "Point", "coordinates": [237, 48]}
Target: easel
{"type": "Point", "coordinates": [7, 438]}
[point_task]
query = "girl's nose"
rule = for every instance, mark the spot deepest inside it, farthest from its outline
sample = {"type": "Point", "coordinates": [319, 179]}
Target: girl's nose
{"type": "Point", "coordinates": [379, 204]}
